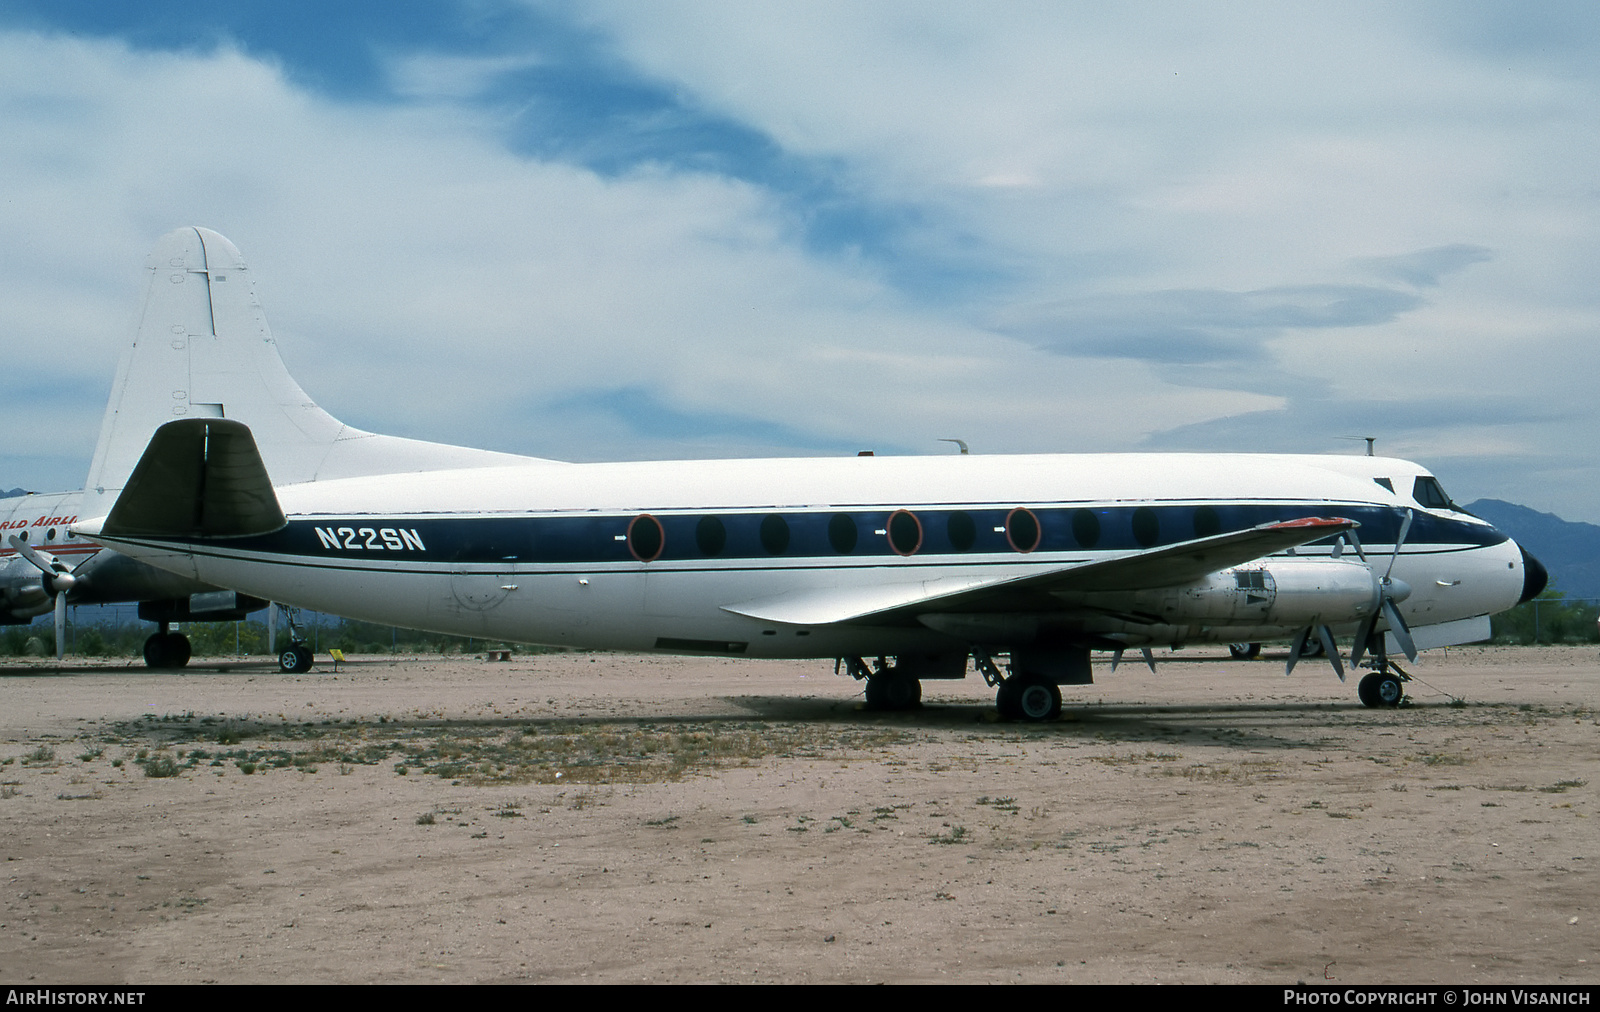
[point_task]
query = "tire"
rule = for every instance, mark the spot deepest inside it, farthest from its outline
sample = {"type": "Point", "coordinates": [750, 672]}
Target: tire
{"type": "Point", "coordinates": [1390, 691]}
{"type": "Point", "coordinates": [1021, 697]}
{"type": "Point", "coordinates": [155, 651]}
{"type": "Point", "coordinates": [1038, 701]}
{"type": "Point", "coordinates": [1381, 690]}
{"type": "Point", "coordinates": [891, 691]}
{"type": "Point", "coordinates": [1367, 690]}
{"type": "Point", "coordinates": [1244, 651]}
{"type": "Point", "coordinates": [178, 650]}
{"type": "Point", "coordinates": [294, 660]}
{"type": "Point", "coordinates": [1005, 699]}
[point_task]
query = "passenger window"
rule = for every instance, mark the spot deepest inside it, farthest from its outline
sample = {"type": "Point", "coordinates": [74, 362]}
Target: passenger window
{"type": "Point", "coordinates": [646, 538]}
{"type": "Point", "coordinates": [1085, 528]}
{"type": "Point", "coordinates": [1022, 529]}
{"type": "Point", "coordinates": [710, 536]}
{"type": "Point", "coordinates": [962, 531]}
{"type": "Point", "coordinates": [1146, 526]}
{"type": "Point", "coordinates": [775, 534]}
{"type": "Point", "coordinates": [842, 533]}
{"type": "Point", "coordinates": [905, 532]}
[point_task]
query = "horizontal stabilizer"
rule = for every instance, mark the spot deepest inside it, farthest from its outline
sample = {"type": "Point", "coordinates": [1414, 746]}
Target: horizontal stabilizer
{"type": "Point", "coordinates": [199, 477]}
{"type": "Point", "coordinates": [1171, 566]}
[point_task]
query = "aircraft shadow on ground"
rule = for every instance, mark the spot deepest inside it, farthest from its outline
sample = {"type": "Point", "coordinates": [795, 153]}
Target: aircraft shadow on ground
{"type": "Point", "coordinates": [1265, 726]}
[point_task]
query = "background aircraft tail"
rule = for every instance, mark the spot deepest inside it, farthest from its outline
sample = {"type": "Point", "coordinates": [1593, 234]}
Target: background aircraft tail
{"type": "Point", "coordinates": [203, 349]}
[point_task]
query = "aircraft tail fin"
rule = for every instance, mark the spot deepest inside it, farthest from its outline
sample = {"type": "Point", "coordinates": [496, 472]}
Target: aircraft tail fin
{"type": "Point", "coordinates": [203, 350]}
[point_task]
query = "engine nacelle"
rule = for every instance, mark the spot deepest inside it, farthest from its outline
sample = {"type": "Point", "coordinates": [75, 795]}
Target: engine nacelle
{"type": "Point", "coordinates": [1278, 592]}
{"type": "Point", "coordinates": [22, 591]}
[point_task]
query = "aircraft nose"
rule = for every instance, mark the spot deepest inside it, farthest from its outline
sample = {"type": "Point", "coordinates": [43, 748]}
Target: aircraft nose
{"type": "Point", "coordinates": [1534, 576]}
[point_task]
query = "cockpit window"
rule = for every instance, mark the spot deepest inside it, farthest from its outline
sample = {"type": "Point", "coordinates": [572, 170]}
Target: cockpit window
{"type": "Point", "coordinates": [1428, 493]}
{"type": "Point", "coordinates": [1385, 482]}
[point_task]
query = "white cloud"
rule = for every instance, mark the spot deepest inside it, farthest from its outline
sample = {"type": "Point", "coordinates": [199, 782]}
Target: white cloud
{"type": "Point", "coordinates": [422, 279]}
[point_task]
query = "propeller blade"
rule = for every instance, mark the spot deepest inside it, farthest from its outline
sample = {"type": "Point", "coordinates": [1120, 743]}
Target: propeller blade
{"type": "Point", "coordinates": [1355, 543]}
{"type": "Point", "coordinates": [1358, 650]}
{"type": "Point", "coordinates": [1116, 658]}
{"type": "Point", "coordinates": [1296, 647]}
{"type": "Point", "coordinates": [44, 563]}
{"type": "Point", "coordinates": [1397, 625]}
{"type": "Point", "coordinates": [1149, 658]}
{"type": "Point", "coordinates": [1405, 528]}
{"type": "Point", "coordinates": [61, 626]}
{"type": "Point", "coordinates": [1331, 648]}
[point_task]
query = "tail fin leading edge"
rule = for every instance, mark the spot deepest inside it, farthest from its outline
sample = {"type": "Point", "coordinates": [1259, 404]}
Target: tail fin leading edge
{"type": "Point", "coordinates": [203, 349]}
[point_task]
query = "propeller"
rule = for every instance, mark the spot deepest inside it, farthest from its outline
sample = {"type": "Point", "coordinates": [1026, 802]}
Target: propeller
{"type": "Point", "coordinates": [58, 580]}
{"type": "Point", "coordinates": [1324, 636]}
{"type": "Point", "coordinates": [1390, 592]}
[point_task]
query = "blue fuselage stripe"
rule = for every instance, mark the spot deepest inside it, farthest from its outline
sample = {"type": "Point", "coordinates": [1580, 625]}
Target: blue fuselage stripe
{"type": "Point", "coordinates": [817, 535]}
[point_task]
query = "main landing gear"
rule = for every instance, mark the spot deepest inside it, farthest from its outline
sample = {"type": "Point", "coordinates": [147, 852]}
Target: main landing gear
{"type": "Point", "coordinates": [166, 649]}
{"type": "Point", "coordinates": [889, 687]}
{"type": "Point", "coordinates": [1028, 697]}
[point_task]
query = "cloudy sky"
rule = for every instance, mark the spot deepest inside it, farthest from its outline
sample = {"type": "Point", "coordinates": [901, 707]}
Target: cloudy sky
{"type": "Point", "coordinates": [694, 229]}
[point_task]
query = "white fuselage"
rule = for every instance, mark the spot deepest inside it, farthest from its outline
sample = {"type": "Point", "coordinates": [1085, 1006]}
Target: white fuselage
{"type": "Point", "coordinates": [751, 557]}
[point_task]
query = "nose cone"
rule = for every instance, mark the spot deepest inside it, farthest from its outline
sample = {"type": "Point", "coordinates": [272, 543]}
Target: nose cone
{"type": "Point", "coordinates": [1534, 576]}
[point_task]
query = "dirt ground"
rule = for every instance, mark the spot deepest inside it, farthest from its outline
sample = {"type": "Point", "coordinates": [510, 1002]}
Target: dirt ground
{"type": "Point", "coordinates": [572, 817]}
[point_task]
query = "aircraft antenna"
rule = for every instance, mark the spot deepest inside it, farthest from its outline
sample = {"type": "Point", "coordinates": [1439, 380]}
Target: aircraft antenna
{"type": "Point", "coordinates": [959, 442]}
{"type": "Point", "coordinates": [1369, 439]}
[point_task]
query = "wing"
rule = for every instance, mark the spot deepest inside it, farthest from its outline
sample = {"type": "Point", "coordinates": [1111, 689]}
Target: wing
{"type": "Point", "coordinates": [1169, 566]}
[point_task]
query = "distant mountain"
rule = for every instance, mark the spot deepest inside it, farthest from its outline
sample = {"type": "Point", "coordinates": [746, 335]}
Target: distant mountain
{"type": "Point", "coordinates": [15, 491]}
{"type": "Point", "coordinates": [1571, 551]}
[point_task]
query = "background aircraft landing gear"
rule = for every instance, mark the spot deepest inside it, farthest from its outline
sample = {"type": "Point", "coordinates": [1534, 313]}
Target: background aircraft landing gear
{"type": "Point", "coordinates": [294, 659]}
{"type": "Point", "coordinates": [166, 649]}
{"type": "Point", "coordinates": [1244, 651]}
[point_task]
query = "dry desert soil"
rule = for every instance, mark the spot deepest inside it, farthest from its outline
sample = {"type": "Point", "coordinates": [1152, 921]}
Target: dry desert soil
{"type": "Point", "coordinates": [609, 818]}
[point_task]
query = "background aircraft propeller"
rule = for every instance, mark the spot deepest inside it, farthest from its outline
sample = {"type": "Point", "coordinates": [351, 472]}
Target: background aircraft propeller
{"type": "Point", "coordinates": [58, 580]}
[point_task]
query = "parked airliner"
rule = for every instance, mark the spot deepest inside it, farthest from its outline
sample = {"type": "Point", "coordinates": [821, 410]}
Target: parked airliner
{"type": "Point", "coordinates": [902, 568]}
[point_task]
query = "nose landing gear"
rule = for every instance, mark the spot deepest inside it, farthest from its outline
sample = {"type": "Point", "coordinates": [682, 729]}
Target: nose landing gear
{"type": "Point", "coordinates": [1385, 685]}
{"type": "Point", "coordinates": [1381, 688]}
